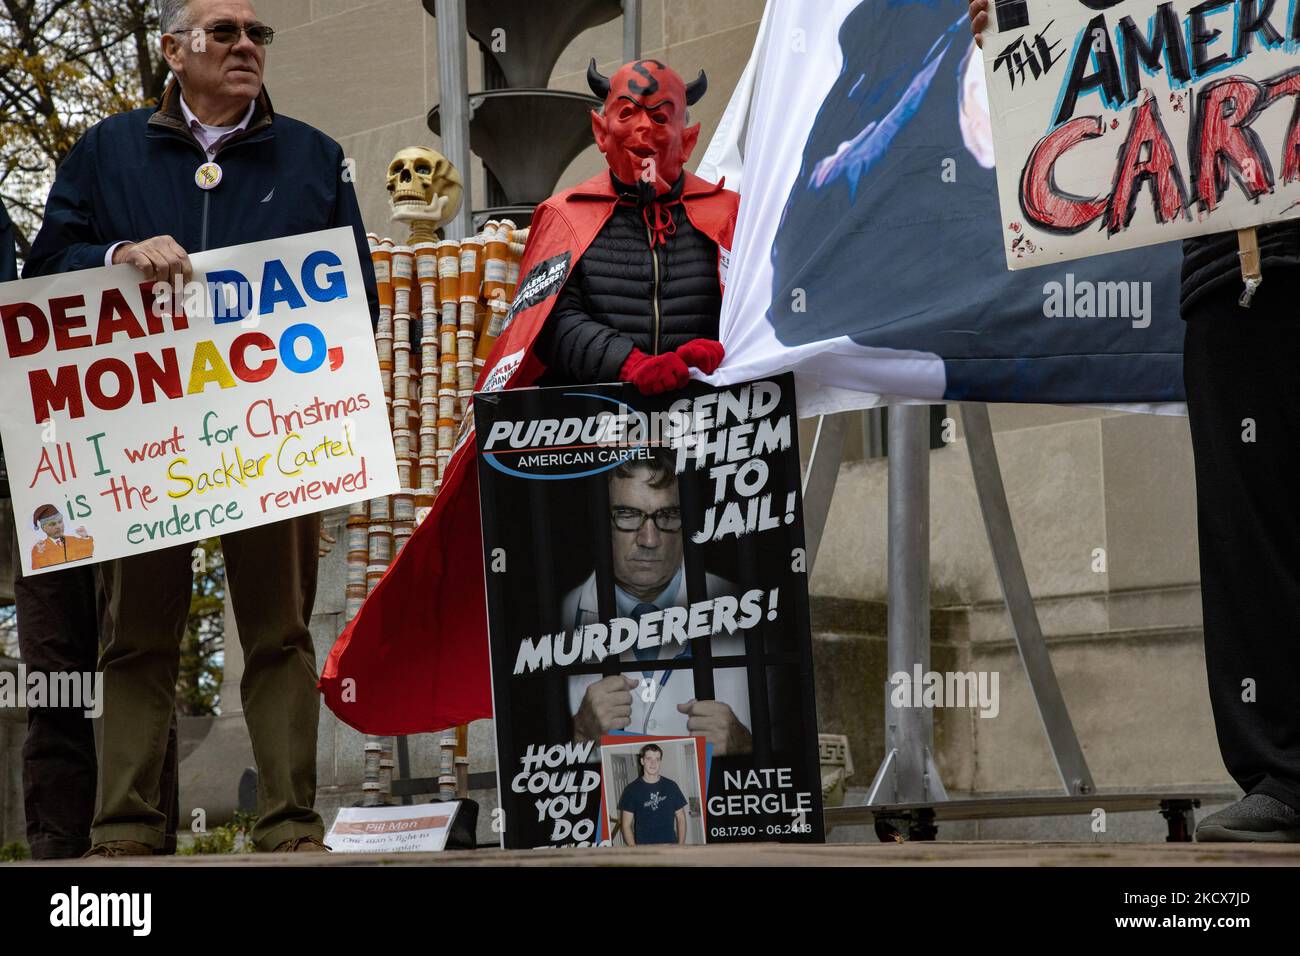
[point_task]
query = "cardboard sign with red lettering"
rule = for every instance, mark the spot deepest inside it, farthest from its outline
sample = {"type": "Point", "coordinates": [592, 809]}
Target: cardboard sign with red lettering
{"type": "Point", "coordinates": [136, 417]}
{"type": "Point", "coordinates": [1125, 123]}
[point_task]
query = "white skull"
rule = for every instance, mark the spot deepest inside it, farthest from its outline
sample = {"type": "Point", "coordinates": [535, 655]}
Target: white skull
{"type": "Point", "coordinates": [424, 185]}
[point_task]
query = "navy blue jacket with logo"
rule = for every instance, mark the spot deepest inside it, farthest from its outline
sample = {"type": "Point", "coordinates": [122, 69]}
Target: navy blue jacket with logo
{"type": "Point", "coordinates": [131, 177]}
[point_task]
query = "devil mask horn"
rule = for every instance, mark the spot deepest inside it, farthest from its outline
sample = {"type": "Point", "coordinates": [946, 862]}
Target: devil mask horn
{"type": "Point", "coordinates": [598, 82]}
{"type": "Point", "coordinates": [696, 88]}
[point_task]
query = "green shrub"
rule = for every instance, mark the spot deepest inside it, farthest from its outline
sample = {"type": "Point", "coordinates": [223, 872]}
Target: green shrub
{"type": "Point", "coordinates": [233, 837]}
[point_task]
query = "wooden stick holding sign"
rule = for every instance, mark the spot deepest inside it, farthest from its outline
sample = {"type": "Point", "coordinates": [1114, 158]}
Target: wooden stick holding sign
{"type": "Point", "coordinates": [1251, 272]}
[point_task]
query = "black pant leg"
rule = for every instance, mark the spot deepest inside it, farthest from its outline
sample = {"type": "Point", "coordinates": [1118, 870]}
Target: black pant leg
{"type": "Point", "coordinates": [59, 617]}
{"type": "Point", "coordinates": [58, 631]}
{"type": "Point", "coordinates": [1242, 372]}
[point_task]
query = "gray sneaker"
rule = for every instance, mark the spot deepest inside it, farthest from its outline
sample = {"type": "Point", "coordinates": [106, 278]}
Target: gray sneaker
{"type": "Point", "coordinates": [1255, 818]}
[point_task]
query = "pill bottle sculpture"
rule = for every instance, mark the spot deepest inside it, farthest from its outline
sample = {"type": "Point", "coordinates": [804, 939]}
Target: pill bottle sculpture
{"type": "Point", "coordinates": [442, 304]}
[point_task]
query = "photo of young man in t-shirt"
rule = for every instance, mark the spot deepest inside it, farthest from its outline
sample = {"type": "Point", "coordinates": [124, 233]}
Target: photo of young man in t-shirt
{"type": "Point", "coordinates": [652, 807]}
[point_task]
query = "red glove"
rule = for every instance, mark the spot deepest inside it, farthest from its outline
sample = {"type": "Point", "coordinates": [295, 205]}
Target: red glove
{"type": "Point", "coordinates": [704, 354]}
{"type": "Point", "coordinates": [653, 374]}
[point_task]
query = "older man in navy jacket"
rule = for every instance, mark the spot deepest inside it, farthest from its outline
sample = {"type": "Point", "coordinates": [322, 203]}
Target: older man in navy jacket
{"type": "Point", "coordinates": [212, 166]}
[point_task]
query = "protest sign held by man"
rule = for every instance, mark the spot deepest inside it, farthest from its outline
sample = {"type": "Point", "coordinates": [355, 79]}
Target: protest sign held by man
{"type": "Point", "coordinates": [212, 166]}
{"type": "Point", "coordinates": [8, 272]}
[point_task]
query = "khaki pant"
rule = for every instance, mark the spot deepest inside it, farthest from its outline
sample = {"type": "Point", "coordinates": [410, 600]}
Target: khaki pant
{"type": "Point", "coordinates": [271, 573]}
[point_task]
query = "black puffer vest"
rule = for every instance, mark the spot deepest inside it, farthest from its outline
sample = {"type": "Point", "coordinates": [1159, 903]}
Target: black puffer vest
{"type": "Point", "coordinates": [660, 298]}
{"type": "Point", "coordinates": [624, 291]}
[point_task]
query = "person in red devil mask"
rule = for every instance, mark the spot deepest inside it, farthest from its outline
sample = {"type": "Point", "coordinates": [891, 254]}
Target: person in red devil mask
{"type": "Point", "coordinates": [621, 280]}
{"type": "Point", "coordinates": [641, 301]}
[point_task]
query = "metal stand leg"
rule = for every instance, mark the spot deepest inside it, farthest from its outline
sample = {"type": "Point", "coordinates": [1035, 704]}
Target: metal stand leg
{"type": "Point", "coordinates": [1070, 762]}
{"type": "Point", "coordinates": [908, 773]}
{"type": "Point", "coordinates": [819, 481]}
{"type": "Point", "coordinates": [404, 766]}
{"type": "Point", "coordinates": [1180, 817]}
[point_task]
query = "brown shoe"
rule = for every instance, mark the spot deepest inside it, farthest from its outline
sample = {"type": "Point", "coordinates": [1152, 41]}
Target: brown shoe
{"type": "Point", "coordinates": [118, 848]}
{"type": "Point", "coordinates": [302, 844]}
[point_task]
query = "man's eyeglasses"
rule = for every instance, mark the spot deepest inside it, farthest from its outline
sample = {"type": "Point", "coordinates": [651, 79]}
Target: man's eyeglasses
{"type": "Point", "coordinates": [228, 34]}
{"type": "Point", "coordinates": [632, 519]}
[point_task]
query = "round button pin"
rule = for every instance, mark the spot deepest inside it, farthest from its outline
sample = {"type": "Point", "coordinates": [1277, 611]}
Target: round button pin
{"type": "Point", "coordinates": [208, 176]}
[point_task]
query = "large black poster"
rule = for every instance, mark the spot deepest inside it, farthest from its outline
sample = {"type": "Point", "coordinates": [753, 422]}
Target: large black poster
{"type": "Point", "coordinates": [648, 614]}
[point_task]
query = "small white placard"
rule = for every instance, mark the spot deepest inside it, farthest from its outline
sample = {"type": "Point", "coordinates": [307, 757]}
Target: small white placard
{"type": "Point", "coordinates": [416, 829]}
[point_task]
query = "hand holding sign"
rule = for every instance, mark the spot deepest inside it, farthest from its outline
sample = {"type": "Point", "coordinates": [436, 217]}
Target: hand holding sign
{"type": "Point", "coordinates": [655, 374]}
{"type": "Point", "coordinates": [979, 19]}
{"type": "Point", "coordinates": [160, 258]}
{"type": "Point", "coordinates": [704, 354]}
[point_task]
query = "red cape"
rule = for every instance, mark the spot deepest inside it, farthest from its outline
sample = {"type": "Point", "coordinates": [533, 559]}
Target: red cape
{"type": "Point", "coordinates": [415, 658]}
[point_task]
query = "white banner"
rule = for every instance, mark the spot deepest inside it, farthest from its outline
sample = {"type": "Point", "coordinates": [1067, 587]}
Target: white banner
{"type": "Point", "coordinates": [1128, 123]}
{"type": "Point", "coordinates": [135, 417]}
{"type": "Point", "coordinates": [866, 256]}
{"type": "Point", "coordinates": [796, 60]}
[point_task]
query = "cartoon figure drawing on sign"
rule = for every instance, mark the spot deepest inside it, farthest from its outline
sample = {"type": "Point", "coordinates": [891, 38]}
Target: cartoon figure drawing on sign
{"type": "Point", "coordinates": [57, 547]}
